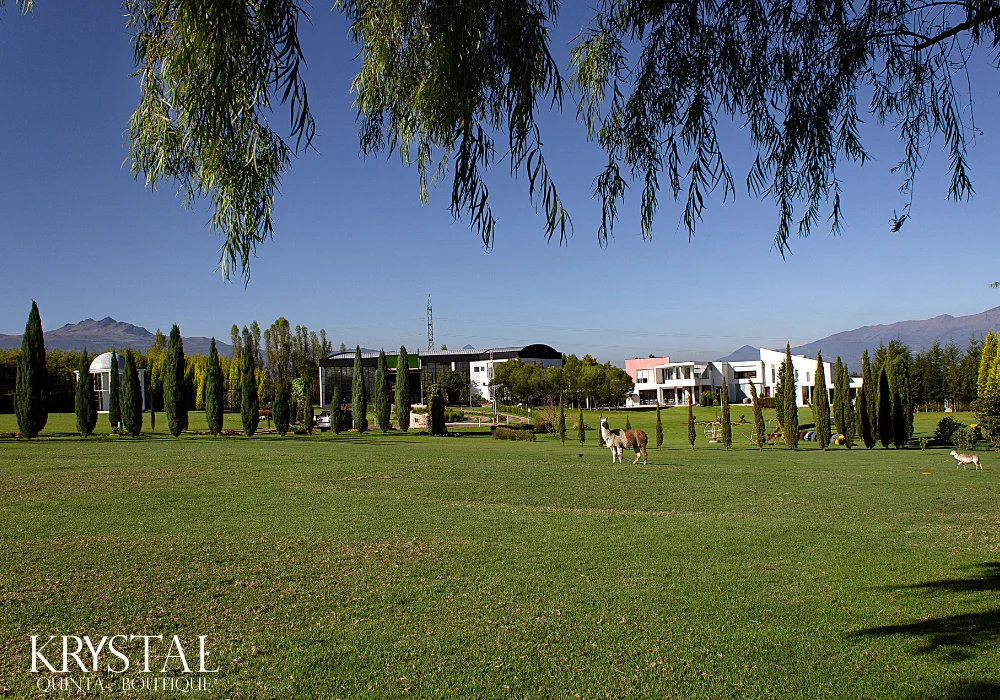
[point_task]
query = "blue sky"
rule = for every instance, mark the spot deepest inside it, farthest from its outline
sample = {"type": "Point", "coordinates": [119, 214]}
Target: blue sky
{"type": "Point", "coordinates": [356, 253]}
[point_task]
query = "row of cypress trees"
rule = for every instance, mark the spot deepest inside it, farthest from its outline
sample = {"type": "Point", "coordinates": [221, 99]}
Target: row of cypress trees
{"type": "Point", "coordinates": [884, 409]}
{"type": "Point", "coordinates": [382, 399]}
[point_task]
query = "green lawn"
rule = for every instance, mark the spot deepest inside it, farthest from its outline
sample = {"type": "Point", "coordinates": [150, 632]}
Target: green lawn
{"type": "Point", "coordinates": [351, 566]}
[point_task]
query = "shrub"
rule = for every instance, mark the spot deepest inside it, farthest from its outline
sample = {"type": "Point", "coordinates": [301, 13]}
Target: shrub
{"type": "Point", "coordinates": [709, 398]}
{"type": "Point", "coordinates": [923, 443]}
{"type": "Point", "coordinates": [945, 430]}
{"type": "Point", "coordinates": [453, 415]}
{"type": "Point", "coordinates": [503, 433]}
{"type": "Point", "coordinates": [435, 409]}
{"type": "Point", "coordinates": [543, 425]}
{"type": "Point", "coordinates": [988, 414]}
{"type": "Point", "coordinates": [965, 438]}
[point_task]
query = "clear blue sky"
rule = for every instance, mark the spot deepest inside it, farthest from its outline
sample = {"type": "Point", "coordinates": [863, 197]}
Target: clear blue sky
{"type": "Point", "coordinates": [357, 254]}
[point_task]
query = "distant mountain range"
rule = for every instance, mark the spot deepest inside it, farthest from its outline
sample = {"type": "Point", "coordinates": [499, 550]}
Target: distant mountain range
{"type": "Point", "coordinates": [917, 334]}
{"type": "Point", "coordinates": [98, 336]}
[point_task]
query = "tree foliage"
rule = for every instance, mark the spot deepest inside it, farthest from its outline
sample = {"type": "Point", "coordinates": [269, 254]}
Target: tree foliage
{"type": "Point", "coordinates": [790, 410]}
{"type": "Point", "coordinates": [214, 394]}
{"type": "Point", "coordinates": [115, 393]}
{"type": "Point", "coordinates": [561, 423]}
{"type": "Point", "coordinates": [86, 400]}
{"type": "Point", "coordinates": [403, 389]}
{"type": "Point", "coordinates": [435, 410]}
{"type": "Point", "coordinates": [727, 423]}
{"type": "Point", "coordinates": [659, 427]}
{"type": "Point", "coordinates": [382, 397]}
{"type": "Point", "coordinates": [692, 434]}
{"type": "Point", "coordinates": [174, 401]}
{"type": "Point", "coordinates": [457, 88]}
{"type": "Point", "coordinates": [359, 394]}
{"type": "Point", "coordinates": [885, 424]}
{"type": "Point", "coordinates": [581, 429]}
{"type": "Point", "coordinates": [279, 409]}
{"type": "Point", "coordinates": [32, 381]}
{"type": "Point", "coordinates": [759, 428]}
{"type": "Point", "coordinates": [336, 413]}
{"type": "Point", "coordinates": [249, 399]}
{"type": "Point", "coordinates": [131, 396]}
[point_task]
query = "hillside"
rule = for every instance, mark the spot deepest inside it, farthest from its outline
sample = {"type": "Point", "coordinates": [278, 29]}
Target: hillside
{"type": "Point", "coordinates": [98, 336]}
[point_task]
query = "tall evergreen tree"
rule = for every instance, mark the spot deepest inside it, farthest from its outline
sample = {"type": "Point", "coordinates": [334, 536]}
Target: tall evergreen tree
{"type": "Point", "coordinates": [867, 430]}
{"type": "Point", "coordinates": [849, 427]}
{"type": "Point", "coordinates": [581, 428]}
{"type": "Point", "coordinates": [115, 393]}
{"type": "Point", "coordinates": [884, 409]}
{"type": "Point", "coordinates": [561, 422]}
{"type": "Point", "coordinates": [986, 362]}
{"type": "Point", "coordinates": [435, 410]}
{"type": "Point", "coordinates": [692, 435]}
{"type": "Point", "coordinates": [659, 426]}
{"type": "Point", "coordinates": [214, 391]}
{"type": "Point", "coordinates": [840, 405]}
{"type": "Point", "coordinates": [727, 424]}
{"type": "Point", "coordinates": [280, 409]}
{"type": "Point", "coordinates": [791, 409]}
{"type": "Point", "coordinates": [250, 400]}
{"type": "Point", "coordinates": [403, 389]}
{"type": "Point", "coordinates": [628, 424]}
{"type": "Point", "coordinates": [131, 393]}
{"type": "Point", "coordinates": [906, 397]}
{"type": "Point", "coordinates": [898, 421]}
{"type": "Point", "coordinates": [869, 383]}
{"type": "Point", "coordinates": [759, 429]}
{"type": "Point", "coordinates": [359, 394]}
{"type": "Point", "coordinates": [382, 399]}
{"type": "Point", "coordinates": [779, 396]}
{"type": "Point", "coordinates": [821, 404]}
{"type": "Point", "coordinates": [86, 401]}
{"type": "Point", "coordinates": [174, 400]}
{"type": "Point", "coordinates": [336, 415]}
{"type": "Point", "coordinates": [32, 382]}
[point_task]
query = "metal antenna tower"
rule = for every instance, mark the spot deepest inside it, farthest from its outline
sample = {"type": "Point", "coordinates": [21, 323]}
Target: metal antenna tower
{"type": "Point", "coordinates": [430, 325]}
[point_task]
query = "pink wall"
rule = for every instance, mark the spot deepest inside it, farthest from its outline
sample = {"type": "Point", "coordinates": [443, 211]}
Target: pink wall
{"type": "Point", "coordinates": [643, 363]}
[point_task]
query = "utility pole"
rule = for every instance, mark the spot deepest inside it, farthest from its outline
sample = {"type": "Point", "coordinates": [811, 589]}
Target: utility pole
{"type": "Point", "coordinates": [430, 325]}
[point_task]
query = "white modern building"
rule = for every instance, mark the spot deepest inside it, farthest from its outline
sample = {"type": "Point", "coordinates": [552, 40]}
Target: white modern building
{"type": "Point", "coordinates": [100, 369]}
{"type": "Point", "coordinates": [660, 381]}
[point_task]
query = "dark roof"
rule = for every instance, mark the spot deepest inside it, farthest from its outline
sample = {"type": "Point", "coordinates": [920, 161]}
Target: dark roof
{"type": "Point", "coordinates": [535, 351]}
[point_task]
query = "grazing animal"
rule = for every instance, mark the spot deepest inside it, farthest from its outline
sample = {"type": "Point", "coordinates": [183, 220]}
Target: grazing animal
{"type": "Point", "coordinates": [618, 440]}
{"type": "Point", "coordinates": [963, 459]}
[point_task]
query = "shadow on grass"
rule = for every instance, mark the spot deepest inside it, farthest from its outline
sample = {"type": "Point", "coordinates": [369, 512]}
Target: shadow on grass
{"type": "Point", "coordinates": [965, 690]}
{"type": "Point", "coordinates": [955, 635]}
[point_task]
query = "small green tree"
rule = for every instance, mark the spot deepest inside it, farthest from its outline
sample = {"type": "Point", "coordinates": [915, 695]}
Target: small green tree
{"type": "Point", "coordinates": [898, 420]}
{"type": "Point", "coordinates": [659, 426]}
{"type": "Point", "coordinates": [628, 424]}
{"type": "Point", "coordinates": [821, 404]}
{"type": "Point", "coordinates": [115, 393]}
{"type": "Point", "coordinates": [867, 433]}
{"type": "Point", "coordinates": [727, 423]}
{"type": "Point", "coordinates": [359, 394]}
{"type": "Point", "coordinates": [403, 389]}
{"type": "Point", "coordinates": [32, 382]}
{"type": "Point", "coordinates": [581, 429]}
{"type": "Point", "coordinates": [884, 409]}
{"type": "Point", "coordinates": [791, 410]}
{"type": "Point", "coordinates": [249, 398]}
{"type": "Point", "coordinates": [869, 381]}
{"type": "Point", "coordinates": [86, 401]}
{"type": "Point", "coordinates": [435, 410]}
{"type": "Point", "coordinates": [309, 419]}
{"type": "Point", "coordinates": [214, 391]}
{"type": "Point", "coordinates": [383, 400]}
{"type": "Point", "coordinates": [692, 435]}
{"type": "Point", "coordinates": [131, 393]}
{"type": "Point", "coordinates": [561, 422]}
{"type": "Point", "coordinates": [336, 415]}
{"type": "Point", "coordinates": [174, 401]}
{"type": "Point", "coordinates": [986, 362]}
{"type": "Point", "coordinates": [779, 396]}
{"type": "Point", "coordinates": [759, 429]}
{"type": "Point", "coordinates": [280, 409]}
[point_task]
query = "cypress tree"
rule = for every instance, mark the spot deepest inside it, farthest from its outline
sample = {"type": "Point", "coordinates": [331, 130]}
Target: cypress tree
{"type": "Point", "coordinates": [581, 429]}
{"type": "Point", "coordinates": [869, 381]}
{"type": "Point", "coordinates": [279, 409]}
{"type": "Point", "coordinates": [336, 416]}
{"type": "Point", "coordinates": [359, 395]}
{"type": "Point", "coordinates": [659, 426]}
{"type": "Point", "coordinates": [759, 429]}
{"type": "Point", "coordinates": [839, 406]}
{"type": "Point", "coordinates": [86, 401]}
{"type": "Point", "coordinates": [692, 435]}
{"type": "Point", "coordinates": [867, 430]}
{"type": "Point", "coordinates": [435, 410]}
{"type": "Point", "coordinates": [906, 395]}
{"type": "Point", "coordinates": [403, 389]}
{"type": "Point", "coordinates": [727, 424]}
{"type": "Point", "coordinates": [174, 400]}
{"type": "Point", "coordinates": [821, 404]}
{"type": "Point", "coordinates": [791, 410]}
{"type": "Point", "coordinates": [250, 401]}
{"type": "Point", "coordinates": [115, 393]}
{"type": "Point", "coordinates": [561, 423]}
{"type": "Point", "coordinates": [310, 410]}
{"type": "Point", "coordinates": [898, 421]}
{"type": "Point", "coordinates": [884, 409]}
{"type": "Point", "coordinates": [779, 396]}
{"type": "Point", "coordinates": [32, 382]}
{"type": "Point", "coordinates": [382, 399]}
{"type": "Point", "coordinates": [131, 393]}
{"type": "Point", "coordinates": [986, 362]}
{"type": "Point", "coordinates": [843, 390]}
{"type": "Point", "coordinates": [214, 396]}
{"type": "Point", "coordinates": [628, 425]}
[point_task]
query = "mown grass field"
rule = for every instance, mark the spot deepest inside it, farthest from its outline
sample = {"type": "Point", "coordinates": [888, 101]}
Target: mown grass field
{"type": "Point", "coordinates": [384, 565]}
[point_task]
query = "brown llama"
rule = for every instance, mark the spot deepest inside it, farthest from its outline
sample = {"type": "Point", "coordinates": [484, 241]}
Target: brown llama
{"type": "Point", "coordinates": [619, 439]}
